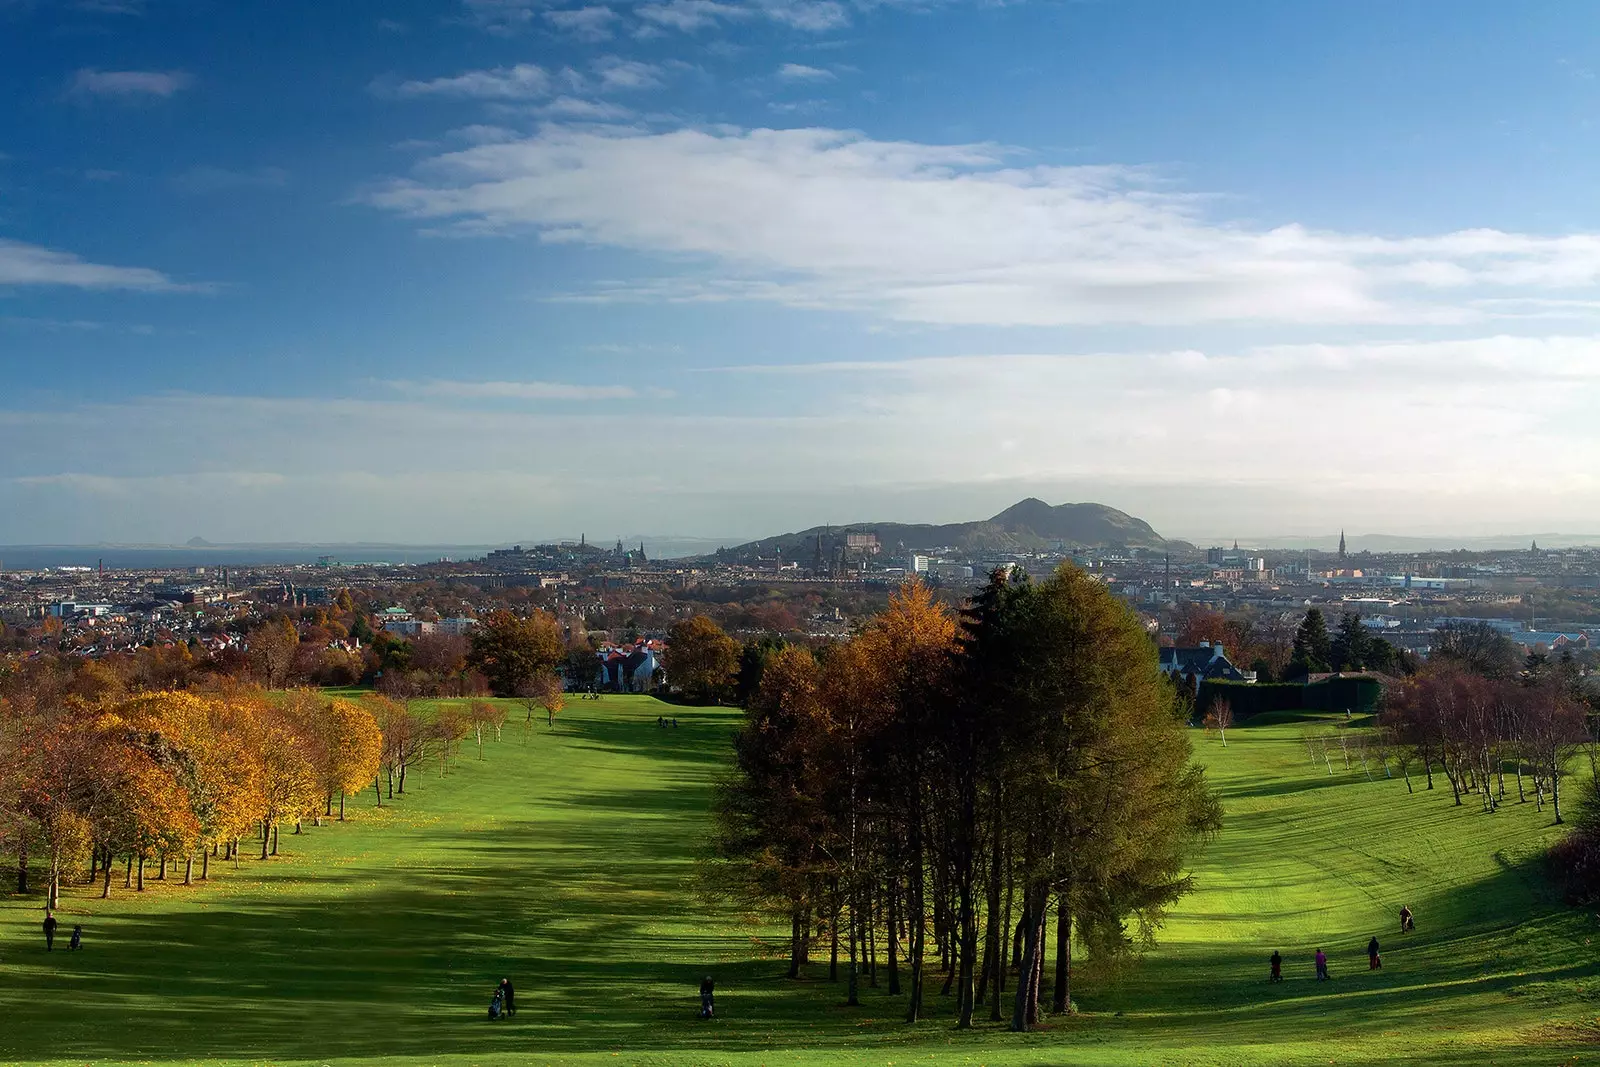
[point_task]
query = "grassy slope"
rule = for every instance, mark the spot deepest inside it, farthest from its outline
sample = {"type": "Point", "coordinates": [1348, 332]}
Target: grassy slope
{"type": "Point", "coordinates": [565, 860]}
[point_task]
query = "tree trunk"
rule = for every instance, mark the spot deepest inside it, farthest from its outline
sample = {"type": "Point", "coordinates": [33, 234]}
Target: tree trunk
{"type": "Point", "coordinates": [266, 838]}
{"type": "Point", "coordinates": [22, 864]}
{"type": "Point", "coordinates": [188, 869]}
{"type": "Point", "coordinates": [967, 950]}
{"type": "Point", "coordinates": [140, 886]}
{"type": "Point", "coordinates": [275, 838]}
{"type": "Point", "coordinates": [794, 942]}
{"type": "Point", "coordinates": [1027, 981]}
{"type": "Point", "coordinates": [1062, 1002]}
{"type": "Point", "coordinates": [1039, 959]}
{"type": "Point", "coordinates": [161, 866]}
{"type": "Point", "coordinates": [341, 804]}
{"type": "Point", "coordinates": [833, 933]}
{"type": "Point", "coordinates": [852, 994]}
{"type": "Point", "coordinates": [918, 919]}
{"type": "Point", "coordinates": [1555, 791]}
{"type": "Point", "coordinates": [205, 863]}
{"type": "Point", "coordinates": [105, 886]}
{"type": "Point", "coordinates": [869, 921]}
{"type": "Point", "coordinates": [127, 875]}
{"type": "Point", "coordinates": [329, 810]}
{"type": "Point", "coordinates": [894, 937]}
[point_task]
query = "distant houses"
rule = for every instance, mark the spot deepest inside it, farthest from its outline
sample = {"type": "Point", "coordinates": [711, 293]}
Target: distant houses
{"type": "Point", "coordinates": [1204, 662]}
{"type": "Point", "coordinates": [626, 668]}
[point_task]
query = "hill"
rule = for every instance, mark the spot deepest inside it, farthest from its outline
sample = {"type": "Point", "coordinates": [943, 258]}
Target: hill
{"type": "Point", "coordinates": [568, 861]}
{"type": "Point", "coordinates": [1024, 526]}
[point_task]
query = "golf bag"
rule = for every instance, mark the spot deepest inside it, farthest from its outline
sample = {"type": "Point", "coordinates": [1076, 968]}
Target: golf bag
{"type": "Point", "coordinates": [496, 1006]}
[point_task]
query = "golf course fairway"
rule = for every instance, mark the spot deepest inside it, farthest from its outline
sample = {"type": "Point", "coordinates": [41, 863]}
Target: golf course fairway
{"type": "Point", "coordinates": [573, 861]}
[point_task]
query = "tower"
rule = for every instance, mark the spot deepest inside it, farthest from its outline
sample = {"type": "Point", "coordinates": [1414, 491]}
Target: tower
{"type": "Point", "coordinates": [1341, 544]}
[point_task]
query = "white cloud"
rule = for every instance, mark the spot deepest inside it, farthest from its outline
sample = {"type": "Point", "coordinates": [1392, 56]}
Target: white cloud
{"type": "Point", "coordinates": [501, 16]}
{"type": "Point", "coordinates": [515, 390]}
{"type": "Point", "coordinates": [572, 107]}
{"type": "Point", "coordinates": [960, 234]}
{"type": "Point", "coordinates": [207, 179]}
{"type": "Point", "coordinates": [812, 15]}
{"type": "Point", "coordinates": [130, 84]}
{"type": "Point", "coordinates": [618, 73]}
{"type": "Point", "coordinates": [800, 72]}
{"type": "Point", "coordinates": [25, 264]}
{"type": "Point", "coordinates": [689, 15]}
{"type": "Point", "coordinates": [524, 81]}
{"type": "Point", "coordinates": [591, 23]}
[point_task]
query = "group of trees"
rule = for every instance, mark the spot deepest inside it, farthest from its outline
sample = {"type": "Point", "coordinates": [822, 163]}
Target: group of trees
{"type": "Point", "coordinates": [1279, 649]}
{"type": "Point", "coordinates": [1473, 728]}
{"type": "Point", "coordinates": [1352, 647]}
{"type": "Point", "coordinates": [166, 776]}
{"type": "Point", "coordinates": [967, 780]}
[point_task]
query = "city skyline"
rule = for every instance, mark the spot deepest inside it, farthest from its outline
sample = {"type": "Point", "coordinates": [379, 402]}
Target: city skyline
{"type": "Point", "coordinates": [458, 272]}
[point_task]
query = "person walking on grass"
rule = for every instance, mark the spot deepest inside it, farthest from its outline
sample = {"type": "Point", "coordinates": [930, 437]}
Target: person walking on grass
{"type": "Point", "coordinates": [1406, 925]}
{"type": "Point", "coordinates": [708, 1006]}
{"type": "Point", "coordinates": [1277, 966]}
{"type": "Point", "coordinates": [1374, 963]}
{"type": "Point", "coordinates": [50, 925]}
{"type": "Point", "coordinates": [510, 995]}
{"type": "Point", "coordinates": [1322, 966]}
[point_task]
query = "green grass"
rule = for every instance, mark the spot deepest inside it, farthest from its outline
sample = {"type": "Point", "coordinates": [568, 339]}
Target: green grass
{"type": "Point", "coordinates": [567, 860]}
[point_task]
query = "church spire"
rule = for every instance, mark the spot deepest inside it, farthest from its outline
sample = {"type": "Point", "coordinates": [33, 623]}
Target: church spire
{"type": "Point", "coordinates": [1341, 544]}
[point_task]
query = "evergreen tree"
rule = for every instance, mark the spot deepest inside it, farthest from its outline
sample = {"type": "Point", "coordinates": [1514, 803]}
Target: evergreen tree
{"type": "Point", "coordinates": [1312, 648]}
{"type": "Point", "coordinates": [1350, 644]}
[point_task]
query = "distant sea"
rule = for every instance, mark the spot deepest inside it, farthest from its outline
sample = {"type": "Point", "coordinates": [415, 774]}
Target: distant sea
{"type": "Point", "coordinates": [163, 557]}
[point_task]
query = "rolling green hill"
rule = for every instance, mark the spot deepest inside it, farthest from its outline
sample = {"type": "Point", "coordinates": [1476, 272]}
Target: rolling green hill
{"type": "Point", "coordinates": [567, 860]}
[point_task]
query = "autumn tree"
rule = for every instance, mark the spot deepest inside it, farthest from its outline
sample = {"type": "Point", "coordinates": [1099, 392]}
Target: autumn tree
{"type": "Point", "coordinates": [353, 747]}
{"type": "Point", "coordinates": [288, 780]}
{"type": "Point", "coordinates": [407, 739]}
{"type": "Point", "coordinates": [483, 714]}
{"type": "Point", "coordinates": [273, 646]}
{"type": "Point", "coordinates": [700, 659]}
{"type": "Point", "coordinates": [511, 651]}
{"type": "Point", "coordinates": [771, 819]}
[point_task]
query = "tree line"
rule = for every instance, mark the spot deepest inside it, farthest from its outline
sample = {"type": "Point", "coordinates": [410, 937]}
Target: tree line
{"type": "Point", "coordinates": [939, 793]}
{"type": "Point", "coordinates": [169, 776]}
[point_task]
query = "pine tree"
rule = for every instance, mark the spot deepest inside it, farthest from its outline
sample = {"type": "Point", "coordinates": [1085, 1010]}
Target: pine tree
{"type": "Point", "coordinates": [1312, 648]}
{"type": "Point", "coordinates": [1350, 644]}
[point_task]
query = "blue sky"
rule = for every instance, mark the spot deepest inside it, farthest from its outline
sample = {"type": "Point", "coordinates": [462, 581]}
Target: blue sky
{"type": "Point", "coordinates": [480, 270]}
